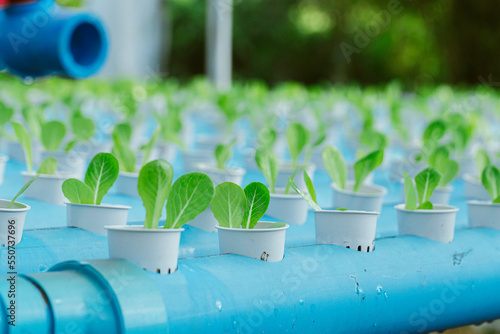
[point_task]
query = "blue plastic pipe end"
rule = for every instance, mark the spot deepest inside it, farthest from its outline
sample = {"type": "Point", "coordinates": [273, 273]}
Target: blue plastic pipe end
{"type": "Point", "coordinates": [101, 296]}
{"type": "Point", "coordinates": [41, 39]}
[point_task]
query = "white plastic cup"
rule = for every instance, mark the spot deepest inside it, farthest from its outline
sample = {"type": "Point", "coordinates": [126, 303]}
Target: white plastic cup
{"type": "Point", "coordinates": [291, 208]}
{"type": "Point", "coordinates": [437, 224]}
{"type": "Point", "coordinates": [126, 184]}
{"type": "Point", "coordinates": [94, 218]}
{"type": "Point", "coordinates": [350, 229]}
{"type": "Point", "coordinates": [12, 222]}
{"type": "Point", "coordinates": [262, 243]}
{"type": "Point", "coordinates": [191, 159]}
{"type": "Point", "coordinates": [219, 176]}
{"type": "Point", "coordinates": [473, 188]}
{"type": "Point", "coordinates": [47, 188]}
{"type": "Point", "coordinates": [155, 250]}
{"type": "Point", "coordinates": [286, 171]}
{"type": "Point", "coordinates": [441, 195]}
{"type": "Point", "coordinates": [483, 214]}
{"type": "Point", "coordinates": [370, 197]}
{"type": "Point", "coordinates": [72, 163]}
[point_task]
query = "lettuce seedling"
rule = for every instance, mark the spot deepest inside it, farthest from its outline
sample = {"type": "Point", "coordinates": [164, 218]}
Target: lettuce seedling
{"type": "Point", "coordinates": [6, 114]}
{"type": "Point", "coordinates": [34, 119]}
{"type": "Point", "coordinates": [335, 165]}
{"type": "Point", "coordinates": [372, 140]}
{"type": "Point", "coordinates": [24, 139]}
{"type": "Point", "coordinates": [432, 134]}
{"type": "Point", "coordinates": [440, 160]}
{"type": "Point", "coordinates": [234, 207]}
{"type": "Point", "coordinates": [101, 174]}
{"type": "Point", "coordinates": [223, 153]}
{"type": "Point", "coordinates": [268, 164]}
{"type": "Point", "coordinates": [491, 182]}
{"type": "Point", "coordinates": [311, 197]}
{"type": "Point", "coordinates": [364, 166]}
{"type": "Point", "coordinates": [121, 136]}
{"type": "Point", "coordinates": [482, 160]}
{"type": "Point", "coordinates": [83, 129]}
{"type": "Point", "coordinates": [48, 166]}
{"type": "Point", "coordinates": [297, 137]}
{"type": "Point", "coordinates": [148, 147]}
{"type": "Point", "coordinates": [426, 181]}
{"type": "Point", "coordinates": [171, 125]}
{"type": "Point", "coordinates": [190, 195]}
{"type": "Point", "coordinates": [267, 137]}
{"type": "Point", "coordinates": [52, 135]}
{"type": "Point", "coordinates": [320, 138]}
{"type": "Point", "coordinates": [20, 192]}
{"type": "Point", "coordinates": [154, 184]}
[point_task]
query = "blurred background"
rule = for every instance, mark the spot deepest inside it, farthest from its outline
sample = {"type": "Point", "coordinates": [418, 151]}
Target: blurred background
{"type": "Point", "coordinates": [310, 41]}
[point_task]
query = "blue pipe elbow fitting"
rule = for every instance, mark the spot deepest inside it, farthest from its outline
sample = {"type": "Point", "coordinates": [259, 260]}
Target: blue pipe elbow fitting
{"type": "Point", "coordinates": [41, 38]}
{"type": "Point", "coordinates": [99, 296]}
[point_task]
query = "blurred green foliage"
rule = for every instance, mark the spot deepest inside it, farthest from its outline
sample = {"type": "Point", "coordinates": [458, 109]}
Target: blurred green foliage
{"type": "Point", "coordinates": [416, 42]}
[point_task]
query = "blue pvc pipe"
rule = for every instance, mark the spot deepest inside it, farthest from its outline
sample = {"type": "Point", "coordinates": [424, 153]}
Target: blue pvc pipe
{"type": "Point", "coordinates": [109, 297]}
{"type": "Point", "coordinates": [41, 38]}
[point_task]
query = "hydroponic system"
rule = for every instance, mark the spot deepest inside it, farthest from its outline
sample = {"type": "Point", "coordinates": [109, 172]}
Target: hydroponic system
{"type": "Point", "coordinates": [179, 208]}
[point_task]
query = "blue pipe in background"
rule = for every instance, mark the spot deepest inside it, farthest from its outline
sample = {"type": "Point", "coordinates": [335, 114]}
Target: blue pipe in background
{"type": "Point", "coordinates": [408, 285]}
{"type": "Point", "coordinates": [42, 38]}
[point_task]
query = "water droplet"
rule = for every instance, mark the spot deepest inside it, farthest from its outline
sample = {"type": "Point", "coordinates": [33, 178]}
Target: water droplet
{"type": "Point", "coordinates": [301, 301]}
{"type": "Point", "coordinates": [218, 304]}
{"type": "Point", "coordinates": [379, 289]}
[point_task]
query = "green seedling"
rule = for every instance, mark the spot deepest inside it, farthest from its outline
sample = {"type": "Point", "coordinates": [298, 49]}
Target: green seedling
{"type": "Point", "coordinates": [24, 139]}
{"type": "Point", "coordinates": [223, 153]}
{"type": "Point", "coordinates": [52, 135]}
{"type": "Point", "coordinates": [426, 181]}
{"type": "Point", "coordinates": [101, 174]}
{"type": "Point", "coordinates": [234, 207]}
{"type": "Point", "coordinates": [48, 166]}
{"type": "Point", "coordinates": [20, 192]}
{"type": "Point", "coordinates": [491, 182]}
{"type": "Point", "coordinates": [448, 168]}
{"type": "Point", "coordinates": [268, 164]}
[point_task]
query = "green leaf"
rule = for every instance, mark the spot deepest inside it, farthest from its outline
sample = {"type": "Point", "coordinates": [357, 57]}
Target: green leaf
{"type": "Point", "coordinates": [223, 153]}
{"type": "Point", "coordinates": [277, 225]}
{"type": "Point", "coordinates": [70, 145]}
{"type": "Point", "coordinates": [77, 192]}
{"type": "Point", "coordinates": [154, 183]}
{"type": "Point", "coordinates": [20, 192]}
{"type": "Point", "coordinates": [101, 175]}
{"type": "Point", "coordinates": [6, 114]}
{"type": "Point", "coordinates": [410, 193]}
{"type": "Point", "coordinates": [342, 209]}
{"type": "Point", "coordinates": [426, 206]}
{"type": "Point", "coordinates": [24, 139]}
{"type": "Point", "coordinates": [482, 160]}
{"type": "Point", "coordinates": [268, 164]}
{"type": "Point", "coordinates": [190, 195]}
{"type": "Point", "coordinates": [149, 146]}
{"type": "Point", "coordinates": [83, 128]}
{"type": "Point", "coordinates": [48, 166]}
{"type": "Point", "coordinates": [491, 181]}
{"type": "Point", "coordinates": [373, 140]}
{"type": "Point", "coordinates": [306, 197]}
{"type": "Point", "coordinates": [122, 133]}
{"type": "Point", "coordinates": [257, 202]}
{"type": "Point", "coordinates": [229, 205]}
{"type": "Point", "coordinates": [366, 165]}
{"type": "Point", "coordinates": [310, 187]}
{"type": "Point", "coordinates": [434, 131]}
{"type": "Point", "coordinates": [497, 200]}
{"type": "Point", "coordinates": [335, 165]}
{"type": "Point", "coordinates": [267, 137]}
{"type": "Point", "coordinates": [426, 181]}
{"type": "Point", "coordinates": [52, 135]}
{"type": "Point", "coordinates": [447, 167]}
{"type": "Point", "coordinates": [297, 137]}
{"type": "Point", "coordinates": [121, 150]}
